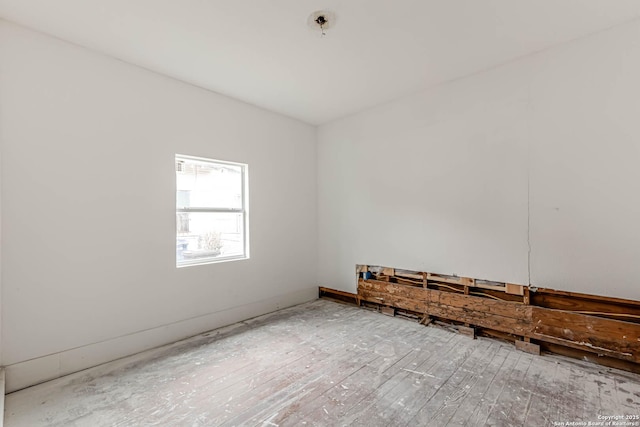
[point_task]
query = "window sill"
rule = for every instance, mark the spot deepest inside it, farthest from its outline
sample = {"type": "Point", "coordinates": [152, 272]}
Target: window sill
{"type": "Point", "coordinates": [206, 261]}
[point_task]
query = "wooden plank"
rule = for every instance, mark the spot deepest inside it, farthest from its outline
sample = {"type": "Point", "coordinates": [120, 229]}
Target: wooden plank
{"type": "Point", "coordinates": [388, 271]}
{"type": "Point", "coordinates": [514, 289]}
{"type": "Point", "coordinates": [450, 279]}
{"type": "Point", "coordinates": [590, 357]}
{"type": "Point", "coordinates": [583, 346]}
{"type": "Point", "coordinates": [427, 360]}
{"type": "Point", "coordinates": [501, 316]}
{"type": "Point", "coordinates": [280, 393]}
{"type": "Point", "coordinates": [502, 336]}
{"type": "Point", "coordinates": [337, 295]}
{"type": "Point", "coordinates": [468, 331]}
{"type": "Point", "coordinates": [600, 335]}
{"type": "Point", "coordinates": [580, 302]}
{"type": "Point", "coordinates": [485, 375]}
{"type": "Point", "coordinates": [523, 396]}
{"type": "Point", "coordinates": [497, 295]}
{"type": "Point", "coordinates": [329, 408]}
{"type": "Point", "coordinates": [512, 396]}
{"type": "Point", "coordinates": [410, 282]}
{"type": "Point", "coordinates": [578, 295]}
{"type": "Point", "coordinates": [409, 275]}
{"type": "Point", "coordinates": [324, 290]}
{"type": "Point", "coordinates": [466, 292]}
{"type": "Point", "coordinates": [447, 299]}
{"type": "Point", "coordinates": [389, 311]}
{"type": "Point", "coordinates": [435, 408]}
{"type": "Point", "coordinates": [526, 300]}
{"type": "Point", "coordinates": [542, 409]}
{"type": "Point", "coordinates": [489, 287]}
{"type": "Point", "coordinates": [528, 347]}
{"type": "Point", "coordinates": [491, 396]}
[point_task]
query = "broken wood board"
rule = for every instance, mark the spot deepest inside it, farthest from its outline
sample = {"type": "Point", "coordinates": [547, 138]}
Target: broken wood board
{"type": "Point", "coordinates": [502, 316]}
{"type": "Point", "coordinates": [611, 337]}
{"type": "Point", "coordinates": [446, 299]}
{"type": "Point", "coordinates": [615, 308]}
{"type": "Point", "coordinates": [597, 334]}
{"type": "Point", "coordinates": [590, 357]}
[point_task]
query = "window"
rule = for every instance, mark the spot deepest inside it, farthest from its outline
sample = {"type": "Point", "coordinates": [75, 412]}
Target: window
{"type": "Point", "coordinates": [211, 211]}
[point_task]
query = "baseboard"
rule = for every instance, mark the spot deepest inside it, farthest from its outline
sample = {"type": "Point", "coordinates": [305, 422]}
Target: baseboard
{"type": "Point", "coordinates": [35, 371]}
{"type": "Point", "coordinates": [2, 392]}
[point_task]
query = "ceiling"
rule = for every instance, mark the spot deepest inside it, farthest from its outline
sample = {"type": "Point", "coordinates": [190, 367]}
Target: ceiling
{"type": "Point", "coordinates": [263, 52]}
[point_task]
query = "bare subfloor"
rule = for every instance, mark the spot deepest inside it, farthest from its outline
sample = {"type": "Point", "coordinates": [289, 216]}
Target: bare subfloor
{"type": "Point", "coordinates": [329, 364]}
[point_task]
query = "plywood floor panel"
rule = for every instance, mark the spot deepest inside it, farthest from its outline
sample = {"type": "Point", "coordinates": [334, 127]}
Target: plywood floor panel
{"type": "Point", "coordinates": [329, 364]}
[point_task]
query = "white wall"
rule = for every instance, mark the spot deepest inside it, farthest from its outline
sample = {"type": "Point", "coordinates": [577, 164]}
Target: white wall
{"type": "Point", "coordinates": [439, 181]}
{"type": "Point", "coordinates": [88, 197]}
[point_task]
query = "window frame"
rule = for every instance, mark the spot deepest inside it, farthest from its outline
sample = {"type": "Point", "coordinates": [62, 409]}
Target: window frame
{"type": "Point", "coordinates": [243, 210]}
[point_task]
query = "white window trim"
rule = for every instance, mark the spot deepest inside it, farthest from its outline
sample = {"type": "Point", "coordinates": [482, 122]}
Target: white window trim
{"type": "Point", "coordinates": [244, 210]}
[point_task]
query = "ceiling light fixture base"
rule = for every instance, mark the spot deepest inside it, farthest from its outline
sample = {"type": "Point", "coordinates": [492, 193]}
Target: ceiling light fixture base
{"type": "Point", "coordinates": [321, 20]}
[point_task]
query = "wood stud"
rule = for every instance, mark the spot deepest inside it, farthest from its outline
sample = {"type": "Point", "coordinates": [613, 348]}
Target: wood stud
{"type": "Point", "coordinates": [528, 347]}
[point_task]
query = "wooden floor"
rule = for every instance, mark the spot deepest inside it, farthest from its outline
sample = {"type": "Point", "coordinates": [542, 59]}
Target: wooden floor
{"type": "Point", "coordinates": [329, 364]}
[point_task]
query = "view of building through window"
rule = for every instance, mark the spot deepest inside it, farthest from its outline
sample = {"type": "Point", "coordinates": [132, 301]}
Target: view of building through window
{"type": "Point", "coordinates": [211, 212]}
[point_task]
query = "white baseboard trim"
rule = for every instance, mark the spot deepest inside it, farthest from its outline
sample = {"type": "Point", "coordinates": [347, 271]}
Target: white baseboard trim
{"type": "Point", "coordinates": [35, 371]}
